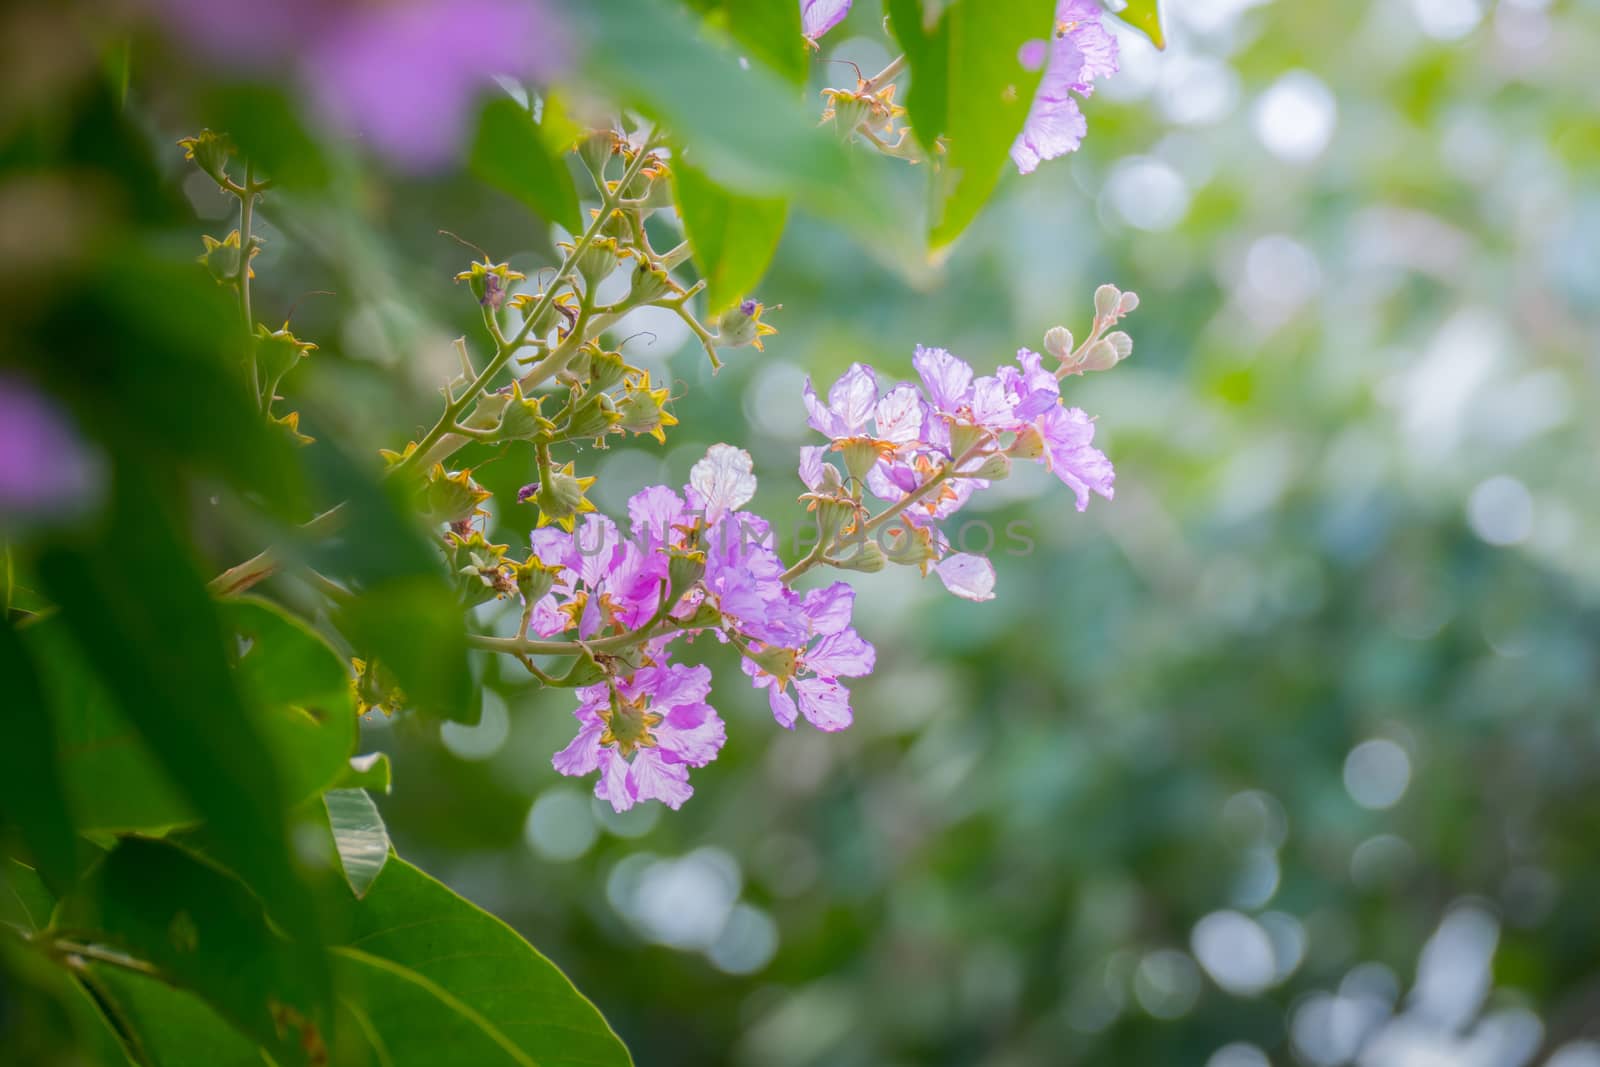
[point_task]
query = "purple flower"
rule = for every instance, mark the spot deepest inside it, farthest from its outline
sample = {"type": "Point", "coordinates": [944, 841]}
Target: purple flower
{"type": "Point", "coordinates": [404, 76]}
{"type": "Point", "coordinates": [817, 17]}
{"type": "Point", "coordinates": [1079, 51]}
{"type": "Point", "coordinates": [803, 679]}
{"type": "Point", "coordinates": [957, 398]}
{"type": "Point", "coordinates": [1070, 456]}
{"type": "Point", "coordinates": [643, 734]}
{"type": "Point", "coordinates": [46, 471]}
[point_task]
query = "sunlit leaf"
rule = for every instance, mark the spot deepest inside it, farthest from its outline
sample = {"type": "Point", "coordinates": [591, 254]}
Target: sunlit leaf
{"type": "Point", "coordinates": [509, 154]}
{"type": "Point", "coordinates": [358, 835]}
{"type": "Point", "coordinates": [732, 237]}
{"type": "Point", "coordinates": [414, 921]}
{"type": "Point", "coordinates": [1145, 16]}
{"type": "Point", "coordinates": [970, 93]}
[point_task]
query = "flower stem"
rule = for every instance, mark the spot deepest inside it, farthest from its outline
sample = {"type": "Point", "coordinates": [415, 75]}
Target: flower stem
{"type": "Point", "coordinates": [247, 204]}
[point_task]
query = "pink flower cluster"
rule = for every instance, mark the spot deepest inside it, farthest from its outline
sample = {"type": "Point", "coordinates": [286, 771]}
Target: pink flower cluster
{"type": "Point", "coordinates": [695, 561]}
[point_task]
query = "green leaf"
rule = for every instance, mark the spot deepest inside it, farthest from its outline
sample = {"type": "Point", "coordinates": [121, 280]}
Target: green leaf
{"type": "Point", "coordinates": [732, 237]}
{"type": "Point", "coordinates": [170, 1027]}
{"type": "Point", "coordinates": [509, 154]}
{"type": "Point", "coordinates": [359, 835]}
{"type": "Point", "coordinates": [412, 920]}
{"type": "Point", "coordinates": [301, 705]}
{"type": "Point", "coordinates": [746, 128]}
{"type": "Point", "coordinates": [1145, 16]}
{"type": "Point", "coordinates": [140, 616]}
{"type": "Point", "coordinates": [408, 1021]}
{"type": "Point", "coordinates": [48, 1018]}
{"type": "Point", "coordinates": [204, 930]}
{"type": "Point", "coordinates": [968, 86]}
{"type": "Point", "coordinates": [25, 902]}
{"type": "Point", "coordinates": [770, 29]}
{"type": "Point", "coordinates": [32, 794]}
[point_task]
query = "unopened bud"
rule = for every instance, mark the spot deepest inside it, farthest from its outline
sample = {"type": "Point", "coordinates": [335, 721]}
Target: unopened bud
{"type": "Point", "coordinates": [1122, 343]}
{"type": "Point", "coordinates": [742, 325]}
{"type": "Point", "coordinates": [864, 556]}
{"type": "Point", "coordinates": [1107, 299]}
{"type": "Point", "coordinates": [1058, 342]}
{"type": "Point", "coordinates": [1128, 303]}
{"type": "Point", "coordinates": [1102, 355]}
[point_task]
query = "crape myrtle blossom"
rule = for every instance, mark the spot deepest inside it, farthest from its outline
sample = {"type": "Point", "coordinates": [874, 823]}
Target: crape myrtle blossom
{"type": "Point", "coordinates": [1079, 50]}
{"type": "Point", "coordinates": [696, 561]}
{"type": "Point", "coordinates": [46, 470]}
{"type": "Point", "coordinates": [402, 76]}
{"type": "Point", "coordinates": [643, 733]}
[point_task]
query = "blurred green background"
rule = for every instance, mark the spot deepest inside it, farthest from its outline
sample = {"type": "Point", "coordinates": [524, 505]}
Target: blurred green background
{"type": "Point", "coordinates": [1287, 755]}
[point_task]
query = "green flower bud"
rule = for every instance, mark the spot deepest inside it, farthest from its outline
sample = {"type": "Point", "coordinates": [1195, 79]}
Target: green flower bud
{"type": "Point", "coordinates": [864, 556]}
{"type": "Point", "coordinates": [643, 410]}
{"type": "Point", "coordinates": [650, 285]}
{"type": "Point", "coordinates": [606, 370]}
{"type": "Point", "coordinates": [221, 258]}
{"type": "Point", "coordinates": [277, 351]}
{"type": "Point", "coordinates": [594, 417]}
{"type": "Point", "coordinates": [596, 151]}
{"type": "Point", "coordinates": [560, 498]}
{"type": "Point", "coordinates": [1058, 342]}
{"type": "Point", "coordinates": [1107, 299]}
{"type": "Point", "coordinates": [209, 151]}
{"type": "Point", "coordinates": [598, 260]}
{"type": "Point", "coordinates": [742, 325]}
{"type": "Point", "coordinates": [452, 496]}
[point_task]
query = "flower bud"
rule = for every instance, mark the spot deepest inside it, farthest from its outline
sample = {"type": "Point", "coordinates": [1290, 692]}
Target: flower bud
{"type": "Point", "coordinates": [1128, 303]}
{"type": "Point", "coordinates": [606, 370]}
{"type": "Point", "coordinates": [221, 258]}
{"type": "Point", "coordinates": [560, 498]}
{"type": "Point", "coordinates": [742, 325]}
{"type": "Point", "coordinates": [209, 151]}
{"type": "Point", "coordinates": [995, 467]}
{"type": "Point", "coordinates": [596, 151]}
{"type": "Point", "coordinates": [643, 410]}
{"type": "Point", "coordinates": [453, 496]}
{"type": "Point", "coordinates": [1102, 355]}
{"type": "Point", "coordinates": [649, 285]}
{"type": "Point", "coordinates": [521, 420]}
{"type": "Point", "coordinates": [1107, 299]}
{"type": "Point", "coordinates": [277, 352]}
{"type": "Point", "coordinates": [1058, 342]}
{"type": "Point", "coordinates": [598, 260]}
{"type": "Point", "coordinates": [1122, 343]}
{"type": "Point", "coordinates": [864, 556]}
{"type": "Point", "coordinates": [594, 417]}
{"type": "Point", "coordinates": [535, 578]}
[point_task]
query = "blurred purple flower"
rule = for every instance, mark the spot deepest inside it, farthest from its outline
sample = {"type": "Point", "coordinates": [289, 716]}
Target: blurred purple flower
{"type": "Point", "coordinates": [401, 75]}
{"type": "Point", "coordinates": [817, 17]}
{"type": "Point", "coordinates": [46, 471]}
{"type": "Point", "coordinates": [830, 650]}
{"type": "Point", "coordinates": [1079, 51]}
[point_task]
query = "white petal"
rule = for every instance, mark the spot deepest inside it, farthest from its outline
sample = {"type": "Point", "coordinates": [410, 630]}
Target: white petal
{"type": "Point", "coordinates": [723, 480]}
{"type": "Point", "coordinates": [967, 576]}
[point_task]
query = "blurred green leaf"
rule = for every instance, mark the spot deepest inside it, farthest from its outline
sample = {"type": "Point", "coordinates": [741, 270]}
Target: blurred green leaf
{"type": "Point", "coordinates": [269, 132]}
{"type": "Point", "coordinates": [1145, 16]}
{"type": "Point", "coordinates": [770, 29]}
{"type": "Point", "coordinates": [509, 153]}
{"type": "Point", "coordinates": [32, 795]}
{"type": "Point", "coordinates": [358, 835]}
{"type": "Point", "coordinates": [140, 615]}
{"type": "Point", "coordinates": [25, 901]}
{"type": "Point", "coordinates": [47, 1017]}
{"type": "Point", "coordinates": [170, 1027]}
{"type": "Point", "coordinates": [968, 86]}
{"type": "Point", "coordinates": [745, 127]}
{"type": "Point", "coordinates": [414, 921]}
{"type": "Point", "coordinates": [409, 1021]}
{"type": "Point", "coordinates": [204, 930]}
{"type": "Point", "coordinates": [732, 237]}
